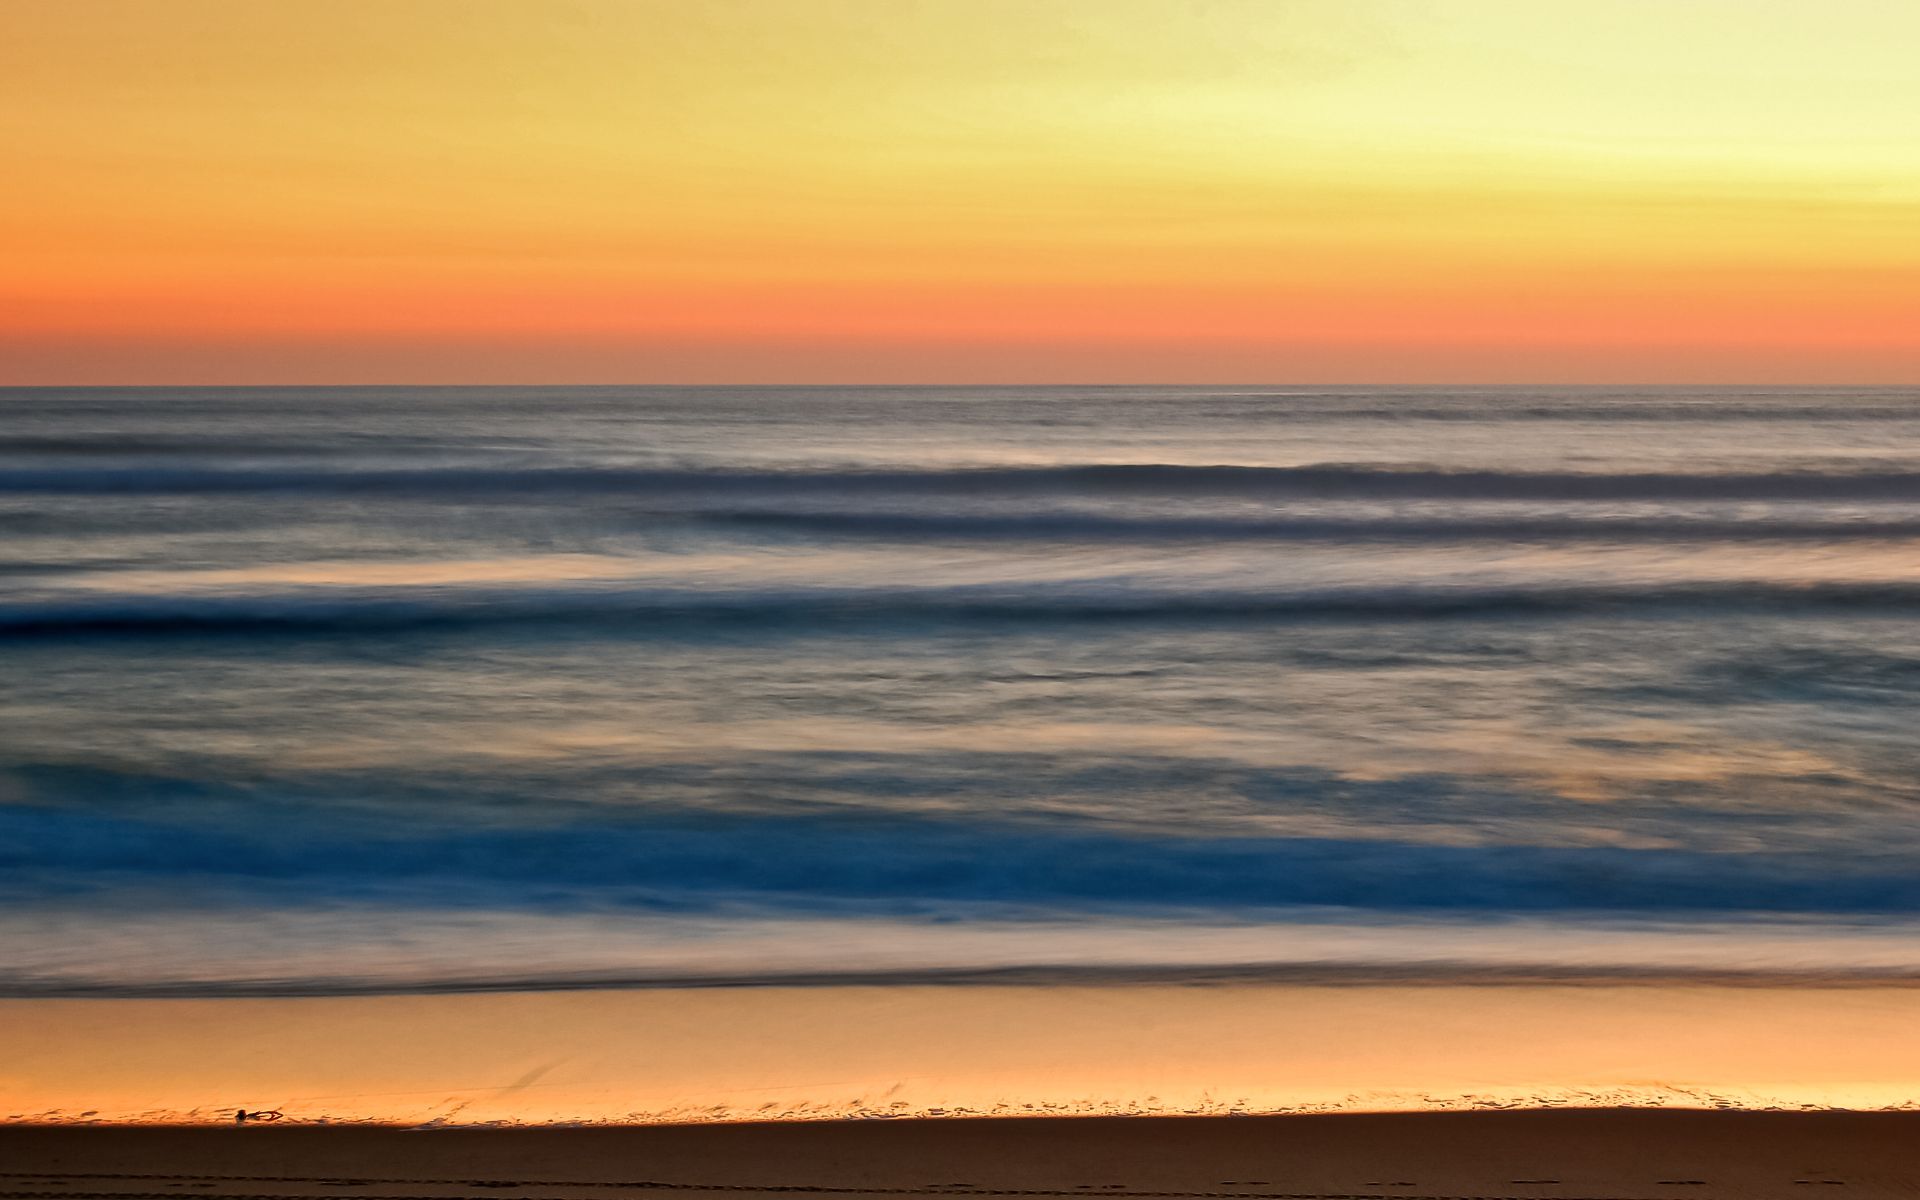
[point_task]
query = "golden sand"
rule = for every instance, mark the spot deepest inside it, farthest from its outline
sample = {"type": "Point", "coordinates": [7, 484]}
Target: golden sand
{"type": "Point", "coordinates": [732, 1054]}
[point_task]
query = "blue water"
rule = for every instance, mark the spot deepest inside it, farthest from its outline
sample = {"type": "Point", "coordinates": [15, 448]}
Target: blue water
{"type": "Point", "coordinates": [325, 689]}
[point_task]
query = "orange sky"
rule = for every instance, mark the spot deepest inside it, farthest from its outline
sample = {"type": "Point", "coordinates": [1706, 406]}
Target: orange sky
{"type": "Point", "coordinates": [231, 191]}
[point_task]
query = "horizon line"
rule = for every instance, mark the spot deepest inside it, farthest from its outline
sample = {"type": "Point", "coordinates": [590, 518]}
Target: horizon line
{"type": "Point", "coordinates": [873, 386]}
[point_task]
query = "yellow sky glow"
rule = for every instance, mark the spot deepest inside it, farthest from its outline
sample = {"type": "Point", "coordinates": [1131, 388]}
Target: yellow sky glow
{"type": "Point", "coordinates": [959, 190]}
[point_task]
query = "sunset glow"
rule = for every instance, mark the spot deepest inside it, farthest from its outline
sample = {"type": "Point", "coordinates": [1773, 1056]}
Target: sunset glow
{"type": "Point", "coordinates": [223, 191]}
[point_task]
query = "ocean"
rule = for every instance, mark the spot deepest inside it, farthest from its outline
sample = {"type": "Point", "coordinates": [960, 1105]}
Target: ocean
{"type": "Point", "coordinates": [410, 689]}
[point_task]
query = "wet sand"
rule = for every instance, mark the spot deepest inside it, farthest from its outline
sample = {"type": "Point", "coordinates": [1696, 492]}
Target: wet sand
{"type": "Point", "coordinates": [1594, 1153]}
{"type": "Point", "coordinates": [647, 1056]}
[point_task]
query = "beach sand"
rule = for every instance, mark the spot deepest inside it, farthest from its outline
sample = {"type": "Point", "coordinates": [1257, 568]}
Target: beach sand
{"type": "Point", "coordinates": [762, 1053]}
{"type": "Point", "coordinates": [746, 1091]}
{"type": "Point", "coordinates": [669, 1091]}
{"type": "Point", "coordinates": [1593, 1153]}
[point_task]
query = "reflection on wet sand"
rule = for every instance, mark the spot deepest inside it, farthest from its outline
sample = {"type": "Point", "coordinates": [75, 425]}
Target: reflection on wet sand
{"type": "Point", "coordinates": [788, 1053]}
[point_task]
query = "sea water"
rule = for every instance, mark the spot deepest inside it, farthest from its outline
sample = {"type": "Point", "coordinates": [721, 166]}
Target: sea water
{"type": "Point", "coordinates": [366, 689]}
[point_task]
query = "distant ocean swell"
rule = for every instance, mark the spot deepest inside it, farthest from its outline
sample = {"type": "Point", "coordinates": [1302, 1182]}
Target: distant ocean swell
{"type": "Point", "coordinates": [1319, 481]}
{"type": "Point", "coordinates": [635, 609]}
{"type": "Point", "coordinates": [1082, 527]}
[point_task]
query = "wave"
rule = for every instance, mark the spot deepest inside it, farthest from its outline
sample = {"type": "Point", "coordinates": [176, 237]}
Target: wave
{"type": "Point", "coordinates": [153, 445]}
{"type": "Point", "coordinates": [1097, 527]}
{"type": "Point", "coordinates": [29, 985]}
{"type": "Point", "coordinates": [895, 866]}
{"type": "Point", "coordinates": [1318, 481]}
{"type": "Point", "coordinates": [1479, 408]}
{"type": "Point", "coordinates": [638, 609]}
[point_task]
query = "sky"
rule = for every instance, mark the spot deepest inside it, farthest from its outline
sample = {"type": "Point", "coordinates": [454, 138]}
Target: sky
{"type": "Point", "coordinates": [959, 191]}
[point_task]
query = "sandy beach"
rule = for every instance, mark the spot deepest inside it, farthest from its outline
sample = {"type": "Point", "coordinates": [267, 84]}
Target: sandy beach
{"type": "Point", "coordinates": [1630, 1155]}
{"type": "Point", "coordinates": [706, 1054]}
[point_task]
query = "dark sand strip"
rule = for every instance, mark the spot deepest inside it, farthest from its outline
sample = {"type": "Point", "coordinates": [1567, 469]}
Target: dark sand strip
{"type": "Point", "coordinates": [1594, 1154]}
